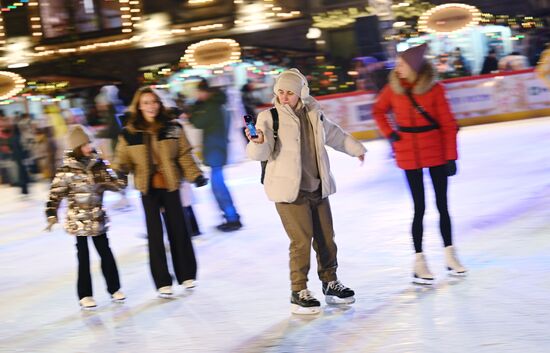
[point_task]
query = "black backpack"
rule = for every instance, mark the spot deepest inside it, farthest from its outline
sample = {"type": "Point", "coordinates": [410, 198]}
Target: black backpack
{"type": "Point", "coordinates": [275, 117]}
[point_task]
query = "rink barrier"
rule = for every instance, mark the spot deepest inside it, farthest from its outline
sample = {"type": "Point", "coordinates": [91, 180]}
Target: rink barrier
{"type": "Point", "coordinates": [474, 100]}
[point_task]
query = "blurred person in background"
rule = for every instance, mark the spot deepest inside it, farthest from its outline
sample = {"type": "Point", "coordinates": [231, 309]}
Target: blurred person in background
{"type": "Point", "coordinates": [460, 65]}
{"type": "Point", "coordinates": [112, 126]}
{"type": "Point", "coordinates": [27, 127]}
{"type": "Point", "coordinates": [513, 62]}
{"type": "Point", "coordinates": [8, 169]}
{"type": "Point", "coordinates": [20, 154]}
{"type": "Point", "coordinates": [444, 68]}
{"type": "Point", "coordinates": [425, 137]}
{"type": "Point", "coordinates": [82, 179]}
{"type": "Point", "coordinates": [45, 151]}
{"type": "Point", "coordinates": [250, 102]}
{"type": "Point", "coordinates": [107, 114]}
{"type": "Point", "coordinates": [298, 180]}
{"type": "Point", "coordinates": [186, 192]}
{"type": "Point", "coordinates": [372, 74]}
{"type": "Point", "coordinates": [156, 151]}
{"type": "Point", "coordinates": [57, 122]}
{"type": "Point", "coordinates": [249, 99]}
{"type": "Point", "coordinates": [209, 114]}
{"type": "Point", "coordinates": [490, 63]}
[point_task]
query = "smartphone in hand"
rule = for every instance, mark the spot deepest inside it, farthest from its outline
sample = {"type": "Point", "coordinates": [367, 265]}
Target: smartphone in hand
{"type": "Point", "coordinates": [249, 121]}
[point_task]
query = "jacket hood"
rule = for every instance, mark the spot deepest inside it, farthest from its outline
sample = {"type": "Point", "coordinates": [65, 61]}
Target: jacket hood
{"type": "Point", "coordinates": [426, 80]}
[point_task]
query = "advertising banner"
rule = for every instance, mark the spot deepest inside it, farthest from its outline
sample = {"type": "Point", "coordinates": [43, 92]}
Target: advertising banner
{"type": "Point", "coordinates": [473, 100]}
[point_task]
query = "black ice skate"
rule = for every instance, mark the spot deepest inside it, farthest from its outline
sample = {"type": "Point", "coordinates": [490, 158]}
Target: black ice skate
{"type": "Point", "coordinates": [336, 293]}
{"type": "Point", "coordinates": [304, 303]}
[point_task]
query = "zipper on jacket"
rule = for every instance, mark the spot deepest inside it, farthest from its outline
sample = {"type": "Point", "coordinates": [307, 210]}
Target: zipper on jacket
{"type": "Point", "coordinates": [415, 142]}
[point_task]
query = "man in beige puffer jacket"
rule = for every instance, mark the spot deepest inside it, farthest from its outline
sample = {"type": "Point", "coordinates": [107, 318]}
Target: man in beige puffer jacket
{"type": "Point", "coordinates": [299, 181]}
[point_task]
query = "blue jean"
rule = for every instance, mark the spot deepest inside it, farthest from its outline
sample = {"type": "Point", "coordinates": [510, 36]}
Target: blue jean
{"type": "Point", "coordinates": [222, 195]}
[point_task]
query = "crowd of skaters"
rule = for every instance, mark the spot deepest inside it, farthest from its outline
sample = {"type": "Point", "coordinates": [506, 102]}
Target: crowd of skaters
{"type": "Point", "coordinates": [148, 141]}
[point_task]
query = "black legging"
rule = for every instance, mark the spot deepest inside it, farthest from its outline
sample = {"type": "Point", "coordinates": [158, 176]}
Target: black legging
{"type": "Point", "coordinates": [108, 265]}
{"type": "Point", "coordinates": [416, 185]}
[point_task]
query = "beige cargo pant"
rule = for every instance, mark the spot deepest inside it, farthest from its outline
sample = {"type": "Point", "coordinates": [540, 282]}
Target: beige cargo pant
{"type": "Point", "coordinates": [307, 221]}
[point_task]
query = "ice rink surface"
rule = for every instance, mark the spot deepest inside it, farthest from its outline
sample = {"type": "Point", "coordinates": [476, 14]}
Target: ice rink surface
{"type": "Point", "coordinates": [500, 207]}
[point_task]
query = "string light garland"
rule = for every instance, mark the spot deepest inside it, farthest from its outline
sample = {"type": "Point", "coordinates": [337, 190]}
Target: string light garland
{"type": "Point", "coordinates": [14, 5]}
{"type": "Point", "coordinates": [2, 34]}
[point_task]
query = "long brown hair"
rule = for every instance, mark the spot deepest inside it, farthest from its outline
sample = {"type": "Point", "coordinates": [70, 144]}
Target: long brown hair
{"type": "Point", "coordinates": [136, 117]}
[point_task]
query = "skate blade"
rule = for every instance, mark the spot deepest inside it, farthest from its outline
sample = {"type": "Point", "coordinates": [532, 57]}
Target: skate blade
{"type": "Point", "coordinates": [166, 296]}
{"type": "Point", "coordinates": [88, 308]}
{"type": "Point", "coordinates": [455, 273]}
{"type": "Point", "coordinates": [334, 300]}
{"type": "Point", "coordinates": [422, 281]}
{"type": "Point", "coordinates": [119, 301]}
{"type": "Point", "coordinates": [300, 310]}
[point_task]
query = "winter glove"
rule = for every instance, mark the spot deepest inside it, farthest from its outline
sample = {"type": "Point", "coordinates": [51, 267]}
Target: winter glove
{"type": "Point", "coordinates": [394, 137]}
{"type": "Point", "coordinates": [51, 222]}
{"type": "Point", "coordinates": [200, 181]}
{"type": "Point", "coordinates": [451, 168]}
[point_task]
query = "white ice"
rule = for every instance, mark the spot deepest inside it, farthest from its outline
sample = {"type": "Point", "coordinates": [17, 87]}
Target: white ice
{"type": "Point", "coordinates": [499, 203]}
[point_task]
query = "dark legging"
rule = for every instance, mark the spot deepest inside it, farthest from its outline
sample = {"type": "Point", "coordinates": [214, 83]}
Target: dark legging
{"type": "Point", "coordinates": [108, 265]}
{"type": "Point", "coordinates": [416, 185]}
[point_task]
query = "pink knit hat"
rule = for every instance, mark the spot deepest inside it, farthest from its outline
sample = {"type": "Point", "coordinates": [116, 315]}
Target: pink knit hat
{"type": "Point", "coordinates": [414, 56]}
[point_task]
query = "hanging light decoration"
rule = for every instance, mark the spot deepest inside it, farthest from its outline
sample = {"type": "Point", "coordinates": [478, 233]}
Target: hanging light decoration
{"type": "Point", "coordinates": [449, 18]}
{"type": "Point", "coordinates": [212, 53]}
{"type": "Point", "coordinates": [10, 84]}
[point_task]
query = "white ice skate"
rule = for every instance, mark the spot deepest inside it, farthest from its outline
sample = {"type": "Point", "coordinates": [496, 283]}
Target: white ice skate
{"type": "Point", "coordinates": [165, 292]}
{"type": "Point", "coordinates": [87, 303]}
{"type": "Point", "coordinates": [118, 297]}
{"type": "Point", "coordinates": [422, 274]}
{"type": "Point", "coordinates": [454, 266]}
{"type": "Point", "coordinates": [189, 284]}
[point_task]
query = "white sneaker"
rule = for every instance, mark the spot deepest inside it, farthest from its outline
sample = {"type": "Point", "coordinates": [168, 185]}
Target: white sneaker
{"type": "Point", "coordinates": [189, 284]}
{"type": "Point", "coordinates": [165, 292]}
{"type": "Point", "coordinates": [87, 303]}
{"type": "Point", "coordinates": [454, 266]}
{"type": "Point", "coordinates": [421, 272]}
{"type": "Point", "coordinates": [118, 297]}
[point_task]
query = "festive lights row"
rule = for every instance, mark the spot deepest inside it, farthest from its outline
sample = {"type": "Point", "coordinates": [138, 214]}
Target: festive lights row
{"type": "Point", "coordinates": [15, 5]}
{"type": "Point", "coordinates": [257, 17]}
{"type": "Point", "coordinates": [130, 14]}
{"type": "Point", "coordinates": [199, 2]}
{"type": "Point", "coordinates": [43, 51]}
{"type": "Point", "coordinates": [2, 34]}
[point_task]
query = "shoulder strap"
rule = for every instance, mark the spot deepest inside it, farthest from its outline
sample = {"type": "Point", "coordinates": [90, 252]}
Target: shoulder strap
{"type": "Point", "coordinates": [275, 116]}
{"type": "Point", "coordinates": [421, 110]}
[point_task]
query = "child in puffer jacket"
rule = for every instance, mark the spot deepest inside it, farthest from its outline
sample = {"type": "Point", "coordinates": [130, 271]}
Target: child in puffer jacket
{"type": "Point", "coordinates": [82, 179]}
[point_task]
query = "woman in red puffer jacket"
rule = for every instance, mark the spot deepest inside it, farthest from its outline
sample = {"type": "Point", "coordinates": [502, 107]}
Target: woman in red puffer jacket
{"type": "Point", "coordinates": [421, 140]}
